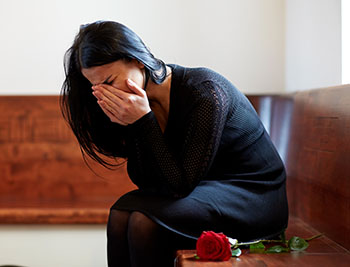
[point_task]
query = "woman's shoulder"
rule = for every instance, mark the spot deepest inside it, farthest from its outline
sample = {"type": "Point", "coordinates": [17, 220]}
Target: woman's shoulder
{"type": "Point", "coordinates": [201, 80]}
{"type": "Point", "coordinates": [196, 75]}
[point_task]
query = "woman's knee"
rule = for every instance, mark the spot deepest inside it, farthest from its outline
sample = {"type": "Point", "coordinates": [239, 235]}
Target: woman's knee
{"type": "Point", "coordinates": [117, 222]}
{"type": "Point", "coordinates": [141, 227]}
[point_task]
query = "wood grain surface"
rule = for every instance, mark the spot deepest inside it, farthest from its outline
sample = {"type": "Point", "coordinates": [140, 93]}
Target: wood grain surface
{"type": "Point", "coordinates": [41, 168]}
{"type": "Point", "coordinates": [321, 252]}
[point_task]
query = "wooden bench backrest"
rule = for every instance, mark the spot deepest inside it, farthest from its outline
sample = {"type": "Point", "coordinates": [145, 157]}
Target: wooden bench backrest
{"type": "Point", "coordinates": [41, 163]}
{"type": "Point", "coordinates": [311, 130]}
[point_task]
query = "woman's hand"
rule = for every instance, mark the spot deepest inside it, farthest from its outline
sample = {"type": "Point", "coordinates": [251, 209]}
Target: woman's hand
{"type": "Point", "coordinates": [122, 107]}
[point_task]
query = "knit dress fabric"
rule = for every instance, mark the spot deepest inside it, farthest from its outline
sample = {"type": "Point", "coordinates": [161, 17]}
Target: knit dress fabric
{"type": "Point", "coordinates": [214, 167]}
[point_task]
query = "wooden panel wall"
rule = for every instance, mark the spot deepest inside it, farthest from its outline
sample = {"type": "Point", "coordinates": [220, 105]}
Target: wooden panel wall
{"type": "Point", "coordinates": [41, 164]}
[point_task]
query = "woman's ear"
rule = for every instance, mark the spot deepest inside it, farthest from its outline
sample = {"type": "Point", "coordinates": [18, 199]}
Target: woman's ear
{"type": "Point", "coordinates": [140, 64]}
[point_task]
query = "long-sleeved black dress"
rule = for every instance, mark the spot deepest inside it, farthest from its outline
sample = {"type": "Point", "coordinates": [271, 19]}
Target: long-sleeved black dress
{"type": "Point", "coordinates": [214, 167]}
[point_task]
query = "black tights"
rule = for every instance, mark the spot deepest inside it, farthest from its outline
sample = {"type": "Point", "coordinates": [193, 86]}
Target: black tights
{"type": "Point", "coordinates": [135, 240]}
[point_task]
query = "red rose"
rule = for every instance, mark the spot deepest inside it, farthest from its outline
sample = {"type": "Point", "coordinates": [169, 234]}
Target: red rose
{"type": "Point", "coordinates": [213, 246]}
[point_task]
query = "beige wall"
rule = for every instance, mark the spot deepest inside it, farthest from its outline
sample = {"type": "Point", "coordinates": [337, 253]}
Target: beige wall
{"type": "Point", "coordinates": [53, 246]}
{"type": "Point", "coordinates": [313, 44]}
{"type": "Point", "coordinates": [262, 46]}
{"type": "Point", "coordinates": [244, 40]}
{"type": "Point", "coordinates": [345, 11]}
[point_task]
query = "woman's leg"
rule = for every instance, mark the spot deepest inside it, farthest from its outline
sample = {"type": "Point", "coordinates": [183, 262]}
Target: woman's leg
{"type": "Point", "coordinates": [117, 242]}
{"type": "Point", "coordinates": [151, 244]}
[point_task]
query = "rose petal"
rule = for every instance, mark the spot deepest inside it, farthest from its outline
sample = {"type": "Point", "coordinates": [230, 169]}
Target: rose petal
{"type": "Point", "coordinates": [213, 246]}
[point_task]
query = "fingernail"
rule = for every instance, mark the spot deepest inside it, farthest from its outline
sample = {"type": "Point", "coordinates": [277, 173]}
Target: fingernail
{"type": "Point", "coordinates": [130, 82]}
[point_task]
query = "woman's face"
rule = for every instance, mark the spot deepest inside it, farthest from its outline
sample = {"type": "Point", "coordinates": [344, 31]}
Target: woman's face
{"type": "Point", "coordinates": [116, 74]}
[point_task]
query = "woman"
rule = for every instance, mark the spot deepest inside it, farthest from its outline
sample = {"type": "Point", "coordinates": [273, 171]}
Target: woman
{"type": "Point", "coordinates": [195, 147]}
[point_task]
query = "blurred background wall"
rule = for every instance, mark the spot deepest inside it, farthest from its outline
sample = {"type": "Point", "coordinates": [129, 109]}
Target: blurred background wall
{"type": "Point", "coordinates": [262, 46]}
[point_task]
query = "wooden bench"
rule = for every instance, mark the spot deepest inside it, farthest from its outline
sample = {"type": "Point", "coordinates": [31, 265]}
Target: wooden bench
{"type": "Point", "coordinates": [45, 180]}
{"type": "Point", "coordinates": [311, 130]}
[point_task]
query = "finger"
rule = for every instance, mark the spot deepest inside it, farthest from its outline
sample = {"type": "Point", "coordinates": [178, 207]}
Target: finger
{"type": "Point", "coordinates": [109, 97]}
{"type": "Point", "coordinates": [110, 113]}
{"type": "Point", "coordinates": [112, 103]}
{"type": "Point", "coordinates": [96, 94]}
{"type": "Point", "coordinates": [107, 109]}
{"type": "Point", "coordinates": [115, 91]}
{"type": "Point", "coordinates": [135, 88]}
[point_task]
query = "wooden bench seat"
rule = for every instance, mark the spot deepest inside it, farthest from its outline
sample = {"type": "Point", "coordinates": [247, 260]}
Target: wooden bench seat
{"type": "Point", "coordinates": [321, 252]}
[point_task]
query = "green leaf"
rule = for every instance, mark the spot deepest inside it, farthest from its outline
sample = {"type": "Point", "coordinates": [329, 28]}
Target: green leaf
{"type": "Point", "coordinates": [257, 248]}
{"type": "Point", "coordinates": [259, 245]}
{"type": "Point", "coordinates": [236, 252]}
{"type": "Point", "coordinates": [277, 249]}
{"type": "Point", "coordinates": [297, 244]}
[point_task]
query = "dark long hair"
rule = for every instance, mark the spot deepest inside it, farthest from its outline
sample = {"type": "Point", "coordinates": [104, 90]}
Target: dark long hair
{"type": "Point", "coordinates": [96, 44]}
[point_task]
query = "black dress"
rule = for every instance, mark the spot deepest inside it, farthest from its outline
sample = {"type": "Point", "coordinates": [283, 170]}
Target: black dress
{"type": "Point", "coordinates": [214, 168]}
